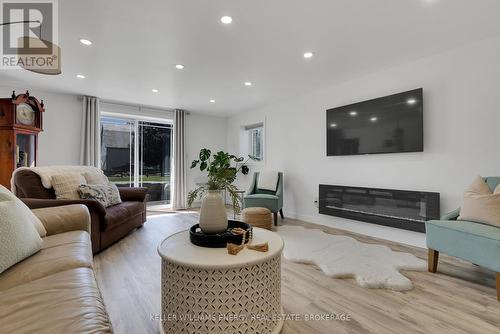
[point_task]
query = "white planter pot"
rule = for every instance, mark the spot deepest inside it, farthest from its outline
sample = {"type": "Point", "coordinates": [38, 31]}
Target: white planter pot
{"type": "Point", "coordinates": [213, 217]}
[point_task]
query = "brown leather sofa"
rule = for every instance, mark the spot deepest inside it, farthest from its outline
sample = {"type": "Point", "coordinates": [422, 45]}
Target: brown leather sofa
{"type": "Point", "coordinates": [55, 291]}
{"type": "Point", "coordinates": [108, 225]}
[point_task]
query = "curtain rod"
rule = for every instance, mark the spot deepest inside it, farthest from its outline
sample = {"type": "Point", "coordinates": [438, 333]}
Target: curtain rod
{"type": "Point", "coordinates": [125, 104]}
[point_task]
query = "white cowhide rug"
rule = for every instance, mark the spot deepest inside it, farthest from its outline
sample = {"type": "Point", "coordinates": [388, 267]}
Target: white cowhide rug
{"type": "Point", "coordinates": [371, 265]}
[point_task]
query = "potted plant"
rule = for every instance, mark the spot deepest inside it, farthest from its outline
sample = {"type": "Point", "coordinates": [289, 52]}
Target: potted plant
{"type": "Point", "coordinates": [222, 169]}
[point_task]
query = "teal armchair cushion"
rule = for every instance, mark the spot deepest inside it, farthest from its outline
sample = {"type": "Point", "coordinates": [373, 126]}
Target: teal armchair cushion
{"type": "Point", "coordinates": [272, 200]}
{"type": "Point", "coordinates": [452, 215]}
{"type": "Point", "coordinates": [474, 242]}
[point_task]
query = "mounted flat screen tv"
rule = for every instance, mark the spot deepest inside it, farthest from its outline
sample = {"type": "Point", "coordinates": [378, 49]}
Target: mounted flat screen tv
{"type": "Point", "coordinates": [390, 124]}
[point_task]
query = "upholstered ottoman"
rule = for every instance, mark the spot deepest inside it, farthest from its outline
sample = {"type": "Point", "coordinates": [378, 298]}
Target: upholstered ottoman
{"type": "Point", "coordinates": [258, 217]}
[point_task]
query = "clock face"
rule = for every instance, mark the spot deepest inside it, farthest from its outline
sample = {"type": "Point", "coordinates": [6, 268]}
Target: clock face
{"type": "Point", "coordinates": [25, 114]}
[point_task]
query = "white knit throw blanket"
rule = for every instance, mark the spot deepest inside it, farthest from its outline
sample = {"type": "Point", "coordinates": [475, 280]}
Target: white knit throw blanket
{"type": "Point", "coordinates": [46, 173]}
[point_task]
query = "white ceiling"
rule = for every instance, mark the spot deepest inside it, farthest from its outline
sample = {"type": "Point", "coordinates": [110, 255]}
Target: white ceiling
{"type": "Point", "coordinates": [136, 45]}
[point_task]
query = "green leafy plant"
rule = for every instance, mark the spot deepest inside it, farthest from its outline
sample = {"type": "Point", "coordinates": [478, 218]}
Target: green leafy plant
{"type": "Point", "coordinates": [222, 169]}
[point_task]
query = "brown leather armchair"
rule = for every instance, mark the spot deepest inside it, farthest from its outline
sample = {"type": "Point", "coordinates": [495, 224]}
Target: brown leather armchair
{"type": "Point", "coordinates": [108, 225]}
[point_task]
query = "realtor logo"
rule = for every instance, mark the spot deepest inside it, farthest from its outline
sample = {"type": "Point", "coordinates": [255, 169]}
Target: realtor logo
{"type": "Point", "coordinates": [29, 36]}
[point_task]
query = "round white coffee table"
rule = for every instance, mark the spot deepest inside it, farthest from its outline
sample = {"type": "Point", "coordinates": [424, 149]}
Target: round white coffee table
{"type": "Point", "coordinates": [206, 290]}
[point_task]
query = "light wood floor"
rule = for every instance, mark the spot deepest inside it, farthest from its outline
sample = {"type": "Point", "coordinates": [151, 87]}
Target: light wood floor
{"type": "Point", "coordinates": [460, 298]}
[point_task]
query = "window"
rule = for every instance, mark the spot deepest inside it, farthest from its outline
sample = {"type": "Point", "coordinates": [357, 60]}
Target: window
{"type": "Point", "coordinates": [255, 134]}
{"type": "Point", "coordinates": [137, 153]}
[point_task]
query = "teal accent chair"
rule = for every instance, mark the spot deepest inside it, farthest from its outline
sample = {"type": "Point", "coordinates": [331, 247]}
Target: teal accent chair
{"type": "Point", "coordinates": [474, 242]}
{"type": "Point", "coordinates": [272, 200]}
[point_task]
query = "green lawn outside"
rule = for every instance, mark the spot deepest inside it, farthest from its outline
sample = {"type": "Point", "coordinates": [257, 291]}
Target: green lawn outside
{"type": "Point", "coordinates": [151, 178]}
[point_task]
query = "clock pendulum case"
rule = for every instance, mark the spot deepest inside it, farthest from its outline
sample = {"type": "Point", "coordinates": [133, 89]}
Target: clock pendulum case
{"type": "Point", "coordinates": [21, 120]}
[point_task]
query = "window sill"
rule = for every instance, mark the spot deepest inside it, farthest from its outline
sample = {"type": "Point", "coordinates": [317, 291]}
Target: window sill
{"type": "Point", "coordinates": [255, 163]}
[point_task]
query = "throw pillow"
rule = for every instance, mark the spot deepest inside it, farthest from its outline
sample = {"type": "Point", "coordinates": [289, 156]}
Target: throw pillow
{"type": "Point", "coordinates": [480, 204]}
{"type": "Point", "coordinates": [478, 186]}
{"type": "Point", "coordinates": [107, 194]}
{"type": "Point", "coordinates": [95, 178]}
{"type": "Point", "coordinates": [6, 194]}
{"type": "Point", "coordinates": [268, 181]}
{"type": "Point", "coordinates": [66, 185]}
{"type": "Point", "coordinates": [19, 238]}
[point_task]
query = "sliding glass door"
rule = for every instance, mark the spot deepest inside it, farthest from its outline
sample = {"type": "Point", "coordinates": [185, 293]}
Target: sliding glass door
{"type": "Point", "coordinates": [155, 160]}
{"type": "Point", "coordinates": [118, 150]}
{"type": "Point", "coordinates": [138, 153]}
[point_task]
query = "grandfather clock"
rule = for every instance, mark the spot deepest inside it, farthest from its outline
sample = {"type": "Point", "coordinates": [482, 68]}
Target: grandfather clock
{"type": "Point", "coordinates": [20, 124]}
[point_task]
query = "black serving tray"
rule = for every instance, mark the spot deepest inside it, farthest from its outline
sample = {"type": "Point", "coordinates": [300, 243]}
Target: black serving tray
{"type": "Point", "coordinates": [219, 240]}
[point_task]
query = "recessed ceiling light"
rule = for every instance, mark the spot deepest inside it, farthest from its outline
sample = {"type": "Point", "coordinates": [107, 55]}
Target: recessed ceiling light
{"type": "Point", "coordinates": [179, 66]}
{"type": "Point", "coordinates": [333, 125]}
{"type": "Point", "coordinates": [226, 19]}
{"type": "Point", "coordinates": [212, 101]}
{"type": "Point", "coordinates": [85, 42]}
{"type": "Point", "coordinates": [80, 76]}
{"type": "Point", "coordinates": [353, 113]}
{"type": "Point", "coordinates": [308, 55]}
{"type": "Point", "coordinates": [248, 83]}
{"type": "Point", "coordinates": [154, 90]}
{"type": "Point", "coordinates": [411, 101]}
{"type": "Point", "coordinates": [374, 119]}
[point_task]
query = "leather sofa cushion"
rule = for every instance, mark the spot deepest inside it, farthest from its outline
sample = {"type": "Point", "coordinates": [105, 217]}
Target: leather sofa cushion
{"type": "Point", "coordinates": [117, 214]}
{"type": "Point", "coordinates": [59, 252]}
{"type": "Point", "coordinates": [65, 302]}
{"type": "Point", "coordinates": [133, 194]}
{"type": "Point", "coordinates": [65, 218]}
{"type": "Point", "coordinates": [66, 238]}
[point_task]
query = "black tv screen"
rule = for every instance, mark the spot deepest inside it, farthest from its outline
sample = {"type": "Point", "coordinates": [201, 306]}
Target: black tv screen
{"type": "Point", "coordinates": [384, 125]}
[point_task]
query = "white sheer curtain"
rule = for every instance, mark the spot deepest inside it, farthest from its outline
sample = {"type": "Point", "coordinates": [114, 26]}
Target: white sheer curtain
{"type": "Point", "coordinates": [179, 200]}
{"type": "Point", "coordinates": [90, 153]}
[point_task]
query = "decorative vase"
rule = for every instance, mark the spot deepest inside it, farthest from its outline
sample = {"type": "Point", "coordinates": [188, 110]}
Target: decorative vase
{"type": "Point", "coordinates": [213, 217]}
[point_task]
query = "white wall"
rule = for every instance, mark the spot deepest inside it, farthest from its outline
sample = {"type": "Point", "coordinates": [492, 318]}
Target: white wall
{"type": "Point", "coordinates": [130, 110]}
{"type": "Point", "coordinates": [202, 131]}
{"type": "Point", "coordinates": [461, 135]}
{"type": "Point", "coordinates": [59, 143]}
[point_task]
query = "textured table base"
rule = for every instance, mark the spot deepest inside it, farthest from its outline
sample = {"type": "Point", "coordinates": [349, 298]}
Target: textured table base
{"type": "Point", "coordinates": [277, 330]}
{"type": "Point", "coordinates": [252, 292]}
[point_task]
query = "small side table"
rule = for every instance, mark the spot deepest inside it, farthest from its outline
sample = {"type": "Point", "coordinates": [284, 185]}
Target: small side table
{"type": "Point", "coordinates": [206, 290]}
